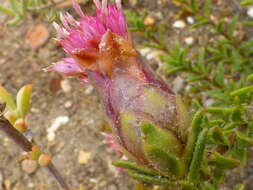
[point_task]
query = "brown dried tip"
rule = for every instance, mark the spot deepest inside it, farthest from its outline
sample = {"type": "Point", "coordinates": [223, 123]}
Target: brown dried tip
{"type": "Point", "coordinates": [44, 160]}
{"type": "Point", "coordinates": [2, 107]}
{"type": "Point", "coordinates": [35, 153]}
{"type": "Point", "coordinates": [10, 116]}
{"type": "Point", "coordinates": [21, 125]}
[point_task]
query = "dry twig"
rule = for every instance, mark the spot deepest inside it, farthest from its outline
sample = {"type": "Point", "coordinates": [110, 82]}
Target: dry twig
{"type": "Point", "coordinates": [26, 145]}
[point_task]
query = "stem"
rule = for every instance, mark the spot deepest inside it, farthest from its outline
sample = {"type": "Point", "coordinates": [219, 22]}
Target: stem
{"type": "Point", "coordinates": [26, 145]}
{"type": "Point", "coordinates": [208, 79]}
{"type": "Point", "coordinates": [164, 48]}
{"type": "Point", "coordinates": [53, 170]}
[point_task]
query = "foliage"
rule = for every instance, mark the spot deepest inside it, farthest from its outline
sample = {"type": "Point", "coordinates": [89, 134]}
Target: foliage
{"type": "Point", "coordinates": [17, 109]}
{"type": "Point", "coordinates": [220, 72]}
{"type": "Point", "coordinates": [19, 9]}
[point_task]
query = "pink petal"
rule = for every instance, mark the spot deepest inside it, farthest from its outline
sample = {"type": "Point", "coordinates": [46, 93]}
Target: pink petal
{"type": "Point", "coordinates": [77, 8]}
{"type": "Point", "coordinates": [68, 67]}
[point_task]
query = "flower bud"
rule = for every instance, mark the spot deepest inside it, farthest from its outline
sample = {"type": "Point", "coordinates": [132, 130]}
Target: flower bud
{"type": "Point", "coordinates": [148, 120]}
{"type": "Point", "coordinates": [21, 125]}
{"type": "Point", "coordinates": [10, 116]}
{"type": "Point", "coordinates": [35, 153]}
{"type": "Point", "coordinates": [44, 160]}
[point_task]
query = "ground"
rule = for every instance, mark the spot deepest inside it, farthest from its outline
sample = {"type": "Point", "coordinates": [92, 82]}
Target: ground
{"type": "Point", "coordinates": [78, 149]}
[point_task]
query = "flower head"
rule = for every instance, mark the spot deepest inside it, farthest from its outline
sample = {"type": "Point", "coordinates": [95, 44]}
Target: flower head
{"type": "Point", "coordinates": [99, 49]}
{"type": "Point", "coordinates": [84, 40]}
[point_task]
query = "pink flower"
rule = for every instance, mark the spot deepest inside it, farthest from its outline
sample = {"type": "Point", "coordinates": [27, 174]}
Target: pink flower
{"type": "Point", "coordinates": [99, 49]}
{"type": "Point", "coordinates": [82, 40]}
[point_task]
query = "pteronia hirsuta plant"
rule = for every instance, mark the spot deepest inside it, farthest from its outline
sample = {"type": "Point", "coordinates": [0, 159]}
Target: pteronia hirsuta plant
{"type": "Point", "coordinates": [149, 121]}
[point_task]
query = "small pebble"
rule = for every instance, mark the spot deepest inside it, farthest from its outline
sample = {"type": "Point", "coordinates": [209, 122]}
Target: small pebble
{"type": "Point", "coordinates": [51, 136]}
{"type": "Point", "coordinates": [35, 110]}
{"type": "Point", "coordinates": [177, 84]}
{"type": "Point", "coordinates": [31, 185]}
{"type": "Point", "coordinates": [133, 2]}
{"type": "Point", "coordinates": [65, 86]}
{"type": "Point", "coordinates": [149, 21]}
{"type": "Point", "coordinates": [112, 187]}
{"type": "Point", "coordinates": [88, 90]}
{"type": "Point", "coordinates": [68, 104]}
{"type": "Point", "coordinates": [93, 180]}
{"type": "Point", "coordinates": [83, 157]}
{"type": "Point", "coordinates": [29, 166]}
{"type": "Point", "coordinates": [209, 102]}
{"type": "Point", "coordinates": [56, 124]}
{"type": "Point", "coordinates": [189, 40]}
{"type": "Point", "coordinates": [179, 24]}
{"type": "Point", "coordinates": [250, 12]}
{"type": "Point", "coordinates": [159, 15]}
{"type": "Point", "coordinates": [190, 20]}
{"type": "Point", "coordinates": [144, 51]}
{"type": "Point", "coordinates": [7, 184]}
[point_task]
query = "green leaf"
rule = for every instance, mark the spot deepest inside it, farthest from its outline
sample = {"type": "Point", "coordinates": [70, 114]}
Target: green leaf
{"type": "Point", "coordinates": [201, 60]}
{"type": "Point", "coordinates": [230, 126]}
{"type": "Point", "coordinates": [216, 122]}
{"type": "Point", "coordinates": [242, 91]}
{"type": "Point", "coordinates": [246, 2]}
{"type": "Point", "coordinates": [239, 187]}
{"type": "Point", "coordinates": [195, 105]}
{"type": "Point", "coordinates": [193, 5]}
{"type": "Point", "coordinates": [218, 175]}
{"type": "Point", "coordinates": [158, 180]}
{"type": "Point", "coordinates": [25, 4]}
{"type": "Point", "coordinates": [195, 166]}
{"type": "Point", "coordinates": [247, 23]}
{"type": "Point", "coordinates": [7, 11]}
{"type": "Point", "coordinates": [153, 45]}
{"type": "Point", "coordinates": [171, 70]}
{"type": "Point", "coordinates": [220, 27]}
{"type": "Point", "coordinates": [250, 129]}
{"type": "Point", "coordinates": [223, 162]}
{"type": "Point", "coordinates": [183, 118]}
{"type": "Point", "coordinates": [239, 152]}
{"type": "Point", "coordinates": [192, 77]}
{"type": "Point", "coordinates": [163, 161]}
{"type": "Point", "coordinates": [219, 75]}
{"type": "Point", "coordinates": [187, 186]}
{"type": "Point", "coordinates": [16, 6]}
{"type": "Point", "coordinates": [209, 186]}
{"type": "Point", "coordinates": [232, 26]}
{"type": "Point", "coordinates": [161, 138]}
{"type": "Point", "coordinates": [193, 135]}
{"type": "Point", "coordinates": [7, 98]}
{"type": "Point", "coordinates": [141, 186]}
{"type": "Point", "coordinates": [16, 20]}
{"type": "Point", "coordinates": [221, 110]}
{"type": "Point", "coordinates": [134, 167]}
{"type": "Point", "coordinates": [244, 140]}
{"type": "Point", "coordinates": [250, 77]}
{"type": "Point", "coordinates": [200, 23]}
{"type": "Point", "coordinates": [176, 56]}
{"type": "Point", "coordinates": [218, 136]}
{"type": "Point", "coordinates": [23, 100]}
{"type": "Point", "coordinates": [207, 7]}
